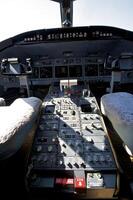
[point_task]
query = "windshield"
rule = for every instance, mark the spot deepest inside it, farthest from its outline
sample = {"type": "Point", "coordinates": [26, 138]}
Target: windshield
{"type": "Point", "coordinates": [26, 15]}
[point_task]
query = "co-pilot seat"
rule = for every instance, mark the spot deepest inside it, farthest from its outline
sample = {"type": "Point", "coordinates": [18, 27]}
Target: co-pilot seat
{"type": "Point", "coordinates": [118, 108]}
{"type": "Point", "coordinates": [16, 122]}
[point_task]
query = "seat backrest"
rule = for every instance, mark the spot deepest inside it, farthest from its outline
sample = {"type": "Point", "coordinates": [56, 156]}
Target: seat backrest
{"type": "Point", "coordinates": [16, 122]}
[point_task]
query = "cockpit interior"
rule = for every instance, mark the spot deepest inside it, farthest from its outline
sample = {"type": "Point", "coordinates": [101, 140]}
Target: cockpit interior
{"type": "Point", "coordinates": [43, 73]}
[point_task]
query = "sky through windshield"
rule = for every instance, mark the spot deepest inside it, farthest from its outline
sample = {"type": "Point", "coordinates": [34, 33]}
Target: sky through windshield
{"type": "Point", "coordinates": [17, 16]}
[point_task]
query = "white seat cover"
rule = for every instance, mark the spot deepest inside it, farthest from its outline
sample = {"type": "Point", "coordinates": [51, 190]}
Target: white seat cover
{"type": "Point", "coordinates": [16, 122]}
{"type": "Point", "coordinates": [118, 107]}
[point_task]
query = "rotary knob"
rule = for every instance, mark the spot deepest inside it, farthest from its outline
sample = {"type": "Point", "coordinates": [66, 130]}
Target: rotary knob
{"type": "Point", "coordinates": [61, 163]}
{"type": "Point", "coordinates": [55, 140]}
{"type": "Point", "coordinates": [65, 125]}
{"type": "Point", "coordinates": [50, 148]}
{"type": "Point", "coordinates": [39, 148]}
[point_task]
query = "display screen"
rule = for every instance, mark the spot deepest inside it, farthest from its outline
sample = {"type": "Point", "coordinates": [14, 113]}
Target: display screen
{"type": "Point", "coordinates": [46, 72]}
{"type": "Point", "coordinates": [61, 71]}
{"type": "Point", "coordinates": [75, 71]}
{"type": "Point", "coordinates": [91, 70]}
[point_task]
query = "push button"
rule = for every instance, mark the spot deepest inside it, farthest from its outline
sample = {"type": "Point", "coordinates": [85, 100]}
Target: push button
{"type": "Point", "coordinates": [80, 183]}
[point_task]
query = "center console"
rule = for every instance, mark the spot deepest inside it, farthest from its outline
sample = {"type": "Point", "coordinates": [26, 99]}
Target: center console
{"type": "Point", "coordinates": [71, 152]}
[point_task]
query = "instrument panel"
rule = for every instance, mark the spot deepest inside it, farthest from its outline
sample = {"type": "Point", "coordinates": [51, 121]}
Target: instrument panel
{"type": "Point", "coordinates": [77, 52]}
{"type": "Point", "coordinates": [81, 68]}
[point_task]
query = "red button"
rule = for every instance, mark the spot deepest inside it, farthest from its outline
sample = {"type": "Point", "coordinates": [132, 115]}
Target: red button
{"type": "Point", "coordinates": [80, 183]}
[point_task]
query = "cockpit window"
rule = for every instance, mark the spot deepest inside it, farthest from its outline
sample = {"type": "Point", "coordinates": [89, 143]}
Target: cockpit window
{"type": "Point", "coordinates": [30, 15]}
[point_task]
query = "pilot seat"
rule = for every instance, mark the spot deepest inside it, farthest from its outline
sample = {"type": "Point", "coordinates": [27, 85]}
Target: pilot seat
{"type": "Point", "coordinates": [16, 122]}
{"type": "Point", "coordinates": [118, 111]}
{"type": "Point", "coordinates": [118, 108]}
